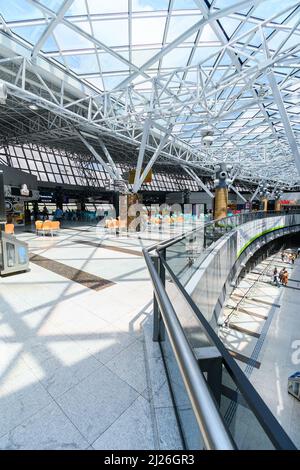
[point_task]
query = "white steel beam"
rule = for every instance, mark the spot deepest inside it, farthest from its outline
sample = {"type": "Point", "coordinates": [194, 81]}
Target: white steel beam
{"type": "Point", "coordinates": [51, 26]}
{"type": "Point", "coordinates": [196, 178]}
{"type": "Point", "coordinates": [87, 36]}
{"type": "Point", "coordinates": [146, 129]}
{"type": "Point", "coordinates": [254, 195]}
{"type": "Point", "coordinates": [234, 58]}
{"type": "Point", "coordinates": [237, 192]}
{"type": "Point", "coordinates": [273, 192]}
{"type": "Point", "coordinates": [96, 155]}
{"type": "Point", "coordinates": [285, 119]}
{"type": "Point", "coordinates": [186, 34]}
{"type": "Point", "coordinates": [109, 158]}
{"type": "Point", "coordinates": [154, 158]}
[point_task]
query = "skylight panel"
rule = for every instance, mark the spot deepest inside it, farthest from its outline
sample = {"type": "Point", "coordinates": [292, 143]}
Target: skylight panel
{"type": "Point", "coordinates": [78, 7]}
{"type": "Point", "coordinates": [14, 10]}
{"type": "Point", "coordinates": [227, 3]}
{"type": "Point", "coordinates": [69, 39]}
{"type": "Point", "coordinates": [271, 7]}
{"type": "Point", "coordinates": [54, 5]}
{"type": "Point", "coordinates": [179, 24]}
{"type": "Point", "coordinates": [148, 5]}
{"type": "Point", "coordinates": [83, 63]}
{"type": "Point", "coordinates": [106, 6]}
{"type": "Point", "coordinates": [184, 5]}
{"type": "Point", "coordinates": [112, 32]}
{"type": "Point", "coordinates": [110, 64]}
{"type": "Point", "coordinates": [205, 54]}
{"type": "Point", "coordinates": [139, 57]}
{"type": "Point", "coordinates": [177, 58]}
{"type": "Point", "coordinates": [147, 30]}
{"type": "Point", "coordinates": [229, 25]}
{"type": "Point", "coordinates": [30, 33]}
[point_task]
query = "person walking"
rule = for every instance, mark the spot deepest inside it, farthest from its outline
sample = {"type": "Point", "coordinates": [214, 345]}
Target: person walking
{"type": "Point", "coordinates": [281, 275]}
{"type": "Point", "coordinates": [45, 213]}
{"type": "Point", "coordinates": [58, 214]}
{"type": "Point", "coordinates": [285, 278]}
{"type": "Point", "coordinates": [282, 256]}
{"type": "Point", "coordinates": [275, 277]}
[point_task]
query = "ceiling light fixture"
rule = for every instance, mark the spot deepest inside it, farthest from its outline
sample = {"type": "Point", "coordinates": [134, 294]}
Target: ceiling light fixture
{"type": "Point", "coordinates": [33, 107]}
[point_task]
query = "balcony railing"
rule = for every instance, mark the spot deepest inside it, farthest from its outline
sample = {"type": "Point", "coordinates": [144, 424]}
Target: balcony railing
{"type": "Point", "coordinates": [216, 405]}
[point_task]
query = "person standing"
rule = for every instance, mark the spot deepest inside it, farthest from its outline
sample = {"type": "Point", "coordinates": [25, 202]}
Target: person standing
{"type": "Point", "coordinates": [282, 256]}
{"type": "Point", "coordinates": [285, 278]}
{"type": "Point", "coordinates": [58, 214]}
{"type": "Point", "coordinates": [281, 274]}
{"type": "Point", "coordinates": [275, 277]}
{"type": "Point", "coordinates": [45, 213]}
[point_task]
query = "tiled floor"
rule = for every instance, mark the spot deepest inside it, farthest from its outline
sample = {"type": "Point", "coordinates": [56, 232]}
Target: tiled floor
{"type": "Point", "coordinates": [74, 372]}
{"type": "Point", "coordinates": [273, 314]}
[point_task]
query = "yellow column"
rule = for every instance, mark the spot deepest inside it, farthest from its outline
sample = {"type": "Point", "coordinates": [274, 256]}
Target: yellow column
{"type": "Point", "coordinates": [277, 205]}
{"type": "Point", "coordinates": [221, 203]}
{"type": "Point", "coordinates": [265, 204]}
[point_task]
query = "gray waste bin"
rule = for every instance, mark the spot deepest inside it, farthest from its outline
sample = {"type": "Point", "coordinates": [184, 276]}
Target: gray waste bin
{"type": "Point", "coordinates": [294, 385]}
{"type": "Point", "coordinates": [14, 255]}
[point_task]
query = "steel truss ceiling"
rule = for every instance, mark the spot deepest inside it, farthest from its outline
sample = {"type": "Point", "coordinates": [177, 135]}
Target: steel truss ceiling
{"type": "Point", "coordinates": [150, 77]}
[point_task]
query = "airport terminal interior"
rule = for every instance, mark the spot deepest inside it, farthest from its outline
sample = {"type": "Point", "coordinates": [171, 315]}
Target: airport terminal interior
{"type": "Point", "coordinates": [149, 225]}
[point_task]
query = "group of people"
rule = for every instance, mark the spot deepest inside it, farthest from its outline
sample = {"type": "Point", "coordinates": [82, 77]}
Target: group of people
{"type": "Point", "coordinates": [57, 214]}
{"type": "Point", "coordinates": [280, 277]}
{"type": "Point", "coordinates": [288, 257]}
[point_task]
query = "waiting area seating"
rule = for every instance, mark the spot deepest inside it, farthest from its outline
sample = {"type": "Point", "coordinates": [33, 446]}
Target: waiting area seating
{"type": "Point", "coordinates": [115, 223]}
{"type": "Point", "coordinates": [157, 220]}
{"type": "Point", "coordinates": [47, 227]}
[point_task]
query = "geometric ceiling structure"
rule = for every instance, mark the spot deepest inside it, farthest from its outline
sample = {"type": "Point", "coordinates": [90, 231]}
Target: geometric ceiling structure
{"type": "Point", "coordinates": [157, 76]}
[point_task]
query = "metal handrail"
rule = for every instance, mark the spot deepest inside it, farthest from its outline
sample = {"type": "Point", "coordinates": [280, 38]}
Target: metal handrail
{"type": "Point", "coordinates": [211, 424]}
{"type": "Point", "coordinates": [269, 423]}
{"type": "Point", "coordinates": [210, 421]}
{"type": "Point", "coordinates": [248, 216]}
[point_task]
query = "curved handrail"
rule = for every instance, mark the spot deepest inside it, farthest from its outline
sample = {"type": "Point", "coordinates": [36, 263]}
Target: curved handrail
{"type": "Point", "coordinates": [210, 421]}
{"type": "Point", "coordinates": [269, 423]}
{"type": "Point", "coordinates": [211, 424]}
{"type": "Point", "coordinates": [240, 218]}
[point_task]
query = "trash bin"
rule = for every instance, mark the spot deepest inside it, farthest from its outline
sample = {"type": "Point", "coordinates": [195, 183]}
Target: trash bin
{"type": "Point", "coordinates": [294, 385]}
{"type": "Point", "coordinates": [14, 256]}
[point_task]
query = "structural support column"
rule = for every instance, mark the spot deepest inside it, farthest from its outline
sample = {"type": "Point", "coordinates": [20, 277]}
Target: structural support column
{"type": "Point", "coordinates": [277, 205]}
{"type": "Point", "coordinates": [221, 203]}
{"type": "Point", "coordinates": [221, 192]}
{"type": "Point", "coordinates": [265, 204]}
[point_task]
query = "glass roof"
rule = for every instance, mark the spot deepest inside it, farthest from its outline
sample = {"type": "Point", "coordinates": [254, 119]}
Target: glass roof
{"type": "Point", "coordinates": [194, 64]}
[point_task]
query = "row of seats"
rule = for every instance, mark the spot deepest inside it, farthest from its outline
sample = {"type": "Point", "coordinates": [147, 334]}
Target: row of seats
{"type": "Point", "coordinates": [41, 227]}
{"type": "Point", "coordinates": [48, 226]}
{"type": "Point", "coordinates": [117, 223]}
